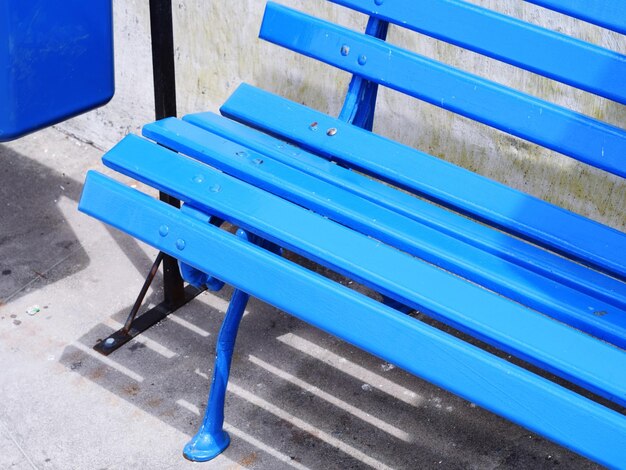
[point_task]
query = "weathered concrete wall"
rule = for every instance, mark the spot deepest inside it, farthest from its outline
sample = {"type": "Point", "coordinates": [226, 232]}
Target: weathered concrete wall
{"type": "Point", "coordinates": [217, 48]}
{"type": "Point", "coordinates": [133, 103]}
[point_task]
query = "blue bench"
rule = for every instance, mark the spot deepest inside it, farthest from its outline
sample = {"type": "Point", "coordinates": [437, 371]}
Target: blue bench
{"type": "Point", "coordinates": [528, 278]}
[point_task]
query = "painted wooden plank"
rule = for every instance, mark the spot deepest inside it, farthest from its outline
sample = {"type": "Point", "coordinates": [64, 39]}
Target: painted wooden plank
{"type": "Point", "coordinates": [518, 213]}
{"type": "Point", "coordinates": [548, 53]}
{"type": "Point", "coordinates": [606, 13]}
{"type": "Point", "coordinates": [552, 126]}
{"type": "Point", "coordinates": [520, 396]}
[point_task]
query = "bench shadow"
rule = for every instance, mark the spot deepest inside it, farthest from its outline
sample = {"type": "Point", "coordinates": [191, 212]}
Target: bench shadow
{"type": "Point", "coordinates": [35, 237]}
{"type": "Point", "coordinates": [299, 398]}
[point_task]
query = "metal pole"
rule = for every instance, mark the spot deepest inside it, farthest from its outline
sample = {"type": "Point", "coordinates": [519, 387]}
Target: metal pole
{"type": "Point", "coordinates": [164, 76]}
{"type": "Point", "coordinates": [175, 294]}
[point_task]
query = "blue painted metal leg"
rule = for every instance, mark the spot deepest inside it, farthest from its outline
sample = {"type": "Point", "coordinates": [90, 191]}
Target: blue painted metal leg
{"type": "Point", "coordinates": [194, 276]}
{"type": "Point", "coordinates": [211, 439]}
{"type": "Point", "coordinates": [388, 301]}
{"type": "Point", "coordinates": [360, 102]}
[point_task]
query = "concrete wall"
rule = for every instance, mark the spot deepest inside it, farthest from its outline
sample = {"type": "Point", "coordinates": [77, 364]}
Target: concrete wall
{"type": "Point", "coordinates": [217, 48]}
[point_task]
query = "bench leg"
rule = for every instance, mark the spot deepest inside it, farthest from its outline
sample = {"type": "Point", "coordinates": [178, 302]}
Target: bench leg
{"type": "Point", "coordinates": [211, 439]}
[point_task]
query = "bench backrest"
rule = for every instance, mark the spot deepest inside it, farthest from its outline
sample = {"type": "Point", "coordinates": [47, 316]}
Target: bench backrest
{"type": "Point", "coordinates": [554, 55]}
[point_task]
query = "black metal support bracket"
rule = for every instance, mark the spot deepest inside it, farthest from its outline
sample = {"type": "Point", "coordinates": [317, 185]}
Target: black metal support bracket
{"type": "Point", "coordinates": [175, 294]}
{"type": "Point", "coordinates": [136, 325]}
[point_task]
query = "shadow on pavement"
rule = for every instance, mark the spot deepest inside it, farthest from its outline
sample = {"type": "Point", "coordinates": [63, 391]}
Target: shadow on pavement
{"type": "Point", "coordinates": [299, 398]}
{"type": "Point", "coordinates": [35, 237]}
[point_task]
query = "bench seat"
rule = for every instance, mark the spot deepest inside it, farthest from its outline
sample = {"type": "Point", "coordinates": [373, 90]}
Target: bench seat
{"type": "Point", "coordinates": [562, 350]}
{"type": "Point", "coordinates": [348, 222]}
{"type": "Point", "coordinates": [508, 265]}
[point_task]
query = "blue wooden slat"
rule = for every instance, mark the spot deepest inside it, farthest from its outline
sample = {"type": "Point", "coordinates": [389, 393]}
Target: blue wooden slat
{"type": "Point", "coordinates": [492, 318]}
{"type": "Point", "coordinates": [504, 277]}
{"type": "Point", "coordinates": [519, 114]}
{"type": "Point", "coordinates": [447, 184]}
{"type": "Point", "coordinates": [492, 241]}
{"type": "Point", "coordinates": [548, 53]}
{"type": "Point", "coordinates": [512, 392]}
{"type": "Point", "coordinates": [606, 13]}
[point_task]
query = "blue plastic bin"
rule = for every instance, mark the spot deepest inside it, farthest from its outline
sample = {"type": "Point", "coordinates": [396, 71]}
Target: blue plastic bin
{"type": "Point", "coordinates": [56, 61]}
